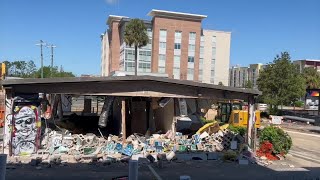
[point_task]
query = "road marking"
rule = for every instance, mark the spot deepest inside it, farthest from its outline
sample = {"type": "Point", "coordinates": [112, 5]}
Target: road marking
{"type": "Point", "coordinates": [154, 173]}
{"type": "Point", "coordinates": [299, 155]}
{"type": "Point", "coordinates": [306, 134]}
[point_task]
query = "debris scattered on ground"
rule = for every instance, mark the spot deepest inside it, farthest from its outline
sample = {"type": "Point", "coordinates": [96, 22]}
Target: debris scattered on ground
{"type": "Point", "coordinates": [60, 148]}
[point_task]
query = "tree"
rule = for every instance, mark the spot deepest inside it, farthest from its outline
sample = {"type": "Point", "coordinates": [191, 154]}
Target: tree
{"type": "Point", "coordinates": [31, 68]}
{"type": "Point", "coordinates": [248, 84]}
{"type": "Point", "coordinates": [55, 72]}
{"type": "Point", "coordinates": [135, 34]}
{"type": "Point", "coordinates": [220, 84]}
{"type": "Point", "coordinates": [281, 82]}
{"type": "Point", "coordinates": [22, 69]}
{"type": "Point", "coordinates": [28, 69]}
{"type": "Point", "coordinates": [312, 77]}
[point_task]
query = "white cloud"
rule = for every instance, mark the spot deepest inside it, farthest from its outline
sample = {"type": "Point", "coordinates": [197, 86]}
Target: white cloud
{"type": "Point", "coordinates": [112, 1]}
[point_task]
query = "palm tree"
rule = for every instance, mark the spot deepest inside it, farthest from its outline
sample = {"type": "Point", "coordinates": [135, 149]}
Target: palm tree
{"type": "Point", "coordinates": [312, 77]}
{"type": "Point", "coordinates": [135, 34]}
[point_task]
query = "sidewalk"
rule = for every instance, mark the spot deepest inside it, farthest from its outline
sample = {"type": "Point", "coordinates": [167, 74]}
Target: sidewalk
{"type": "Point", "coordinates": [303, 127]}
{"type": "Point", "coordinates": [196, 169]}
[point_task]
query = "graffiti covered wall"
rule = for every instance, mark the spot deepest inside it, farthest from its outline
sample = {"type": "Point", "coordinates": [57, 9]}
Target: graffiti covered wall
{"type": "Point", "coordinates": [26, 130]}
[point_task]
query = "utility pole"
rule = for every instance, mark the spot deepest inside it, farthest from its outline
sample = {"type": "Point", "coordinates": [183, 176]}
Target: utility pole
{"type": "Point", "coordinates": [51, 68]}
{"type": "Point", "coordinates": [41, 44]}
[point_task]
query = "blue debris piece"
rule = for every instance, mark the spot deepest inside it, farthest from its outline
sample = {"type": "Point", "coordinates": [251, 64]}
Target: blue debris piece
{"type": "Point", "coordinates": [128, 150]}
{"type": "Point", "coordinates": [118, 147]}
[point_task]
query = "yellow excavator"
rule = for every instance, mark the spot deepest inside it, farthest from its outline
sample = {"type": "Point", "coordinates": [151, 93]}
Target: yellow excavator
{"type": "Point", "coordinates": [235, 112]}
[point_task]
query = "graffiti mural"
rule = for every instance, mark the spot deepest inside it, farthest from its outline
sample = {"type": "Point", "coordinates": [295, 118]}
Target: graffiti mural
{"type": "Point", "coordinates": [26, 129]}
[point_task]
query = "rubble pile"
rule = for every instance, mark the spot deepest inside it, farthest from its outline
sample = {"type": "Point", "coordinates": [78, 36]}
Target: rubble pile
{"type": "Point", "coordinates": [89, 147]}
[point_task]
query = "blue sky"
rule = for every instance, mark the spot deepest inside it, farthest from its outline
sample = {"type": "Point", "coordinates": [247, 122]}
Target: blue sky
{"type": "Point", "coordinates": [260, 29]}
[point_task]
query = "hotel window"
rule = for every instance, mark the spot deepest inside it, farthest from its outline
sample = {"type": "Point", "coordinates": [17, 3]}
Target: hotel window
{"type": "Point", "coordinates": [201, 50]}
{"type": "Point", "coordinates": [177, 35]}
{"type": "Point", "coordinates": [192, 47]}
{"type": "Point", "coordinates": [214, 51]}
{"type": "Point", "coordinates": [149, 32]}
{"type": "Point", "coordinates": [144, 61]}
{"type": "Point", "coordinates": [201, 63]}
{"type": "Point", "coordinates": [200, 69]}
{"type": "Point", "coordinates": [163, 45]}
{"type": "Point", "coordinates": [192, 36]}
{"type": "Point", "coordinates": [176, 73]}
{"type": "Point", "coordinates": [213, 61]}
{"type": "Point", "coordinates": [162, 63]}
{"type": "Point", "coordinates": [177, 45]}
{"type": "Point", "coordinates": [190, 59]}
{"type": "Point", "coordinates": [214, 41]}
{"type": "Point", "coordinates": [190, 74]}
{"type": "Point", "coordinates": [176, 61]}
{"type": "Point", "coordinates": [163, 33]}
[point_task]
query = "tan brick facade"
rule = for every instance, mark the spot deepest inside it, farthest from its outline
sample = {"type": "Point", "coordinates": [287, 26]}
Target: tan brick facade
{"type": "Point", "coordinates": [173, 25]}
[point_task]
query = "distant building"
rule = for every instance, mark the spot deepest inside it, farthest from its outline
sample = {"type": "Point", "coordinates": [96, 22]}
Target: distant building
{"type": "Point", "coordinates": [308, 63]}
{"type": "Point", "coordinates": [178, 48]}
{"type": "Point", "coordinates": [239, 76]}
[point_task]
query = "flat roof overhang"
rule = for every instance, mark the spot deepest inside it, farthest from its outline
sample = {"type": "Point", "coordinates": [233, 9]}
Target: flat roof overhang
{"type": "Point", "coordinates": [144, 86]}
{"type": "Point", "coordinates": [177, 15]}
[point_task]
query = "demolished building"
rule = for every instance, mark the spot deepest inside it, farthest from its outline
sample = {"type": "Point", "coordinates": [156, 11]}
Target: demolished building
{"type": "Point", "coordinates": [131, 106]}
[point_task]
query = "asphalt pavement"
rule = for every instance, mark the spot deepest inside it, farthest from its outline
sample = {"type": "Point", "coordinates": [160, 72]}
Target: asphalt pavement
{"type": "Point", "coordinates": [302, 162]}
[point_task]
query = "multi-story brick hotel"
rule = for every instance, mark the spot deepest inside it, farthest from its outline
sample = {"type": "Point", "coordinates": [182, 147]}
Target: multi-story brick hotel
{"type": "Point", "coordinates": [178, 48]}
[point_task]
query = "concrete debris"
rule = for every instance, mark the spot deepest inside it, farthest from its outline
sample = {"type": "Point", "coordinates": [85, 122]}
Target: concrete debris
{"type": "Point", "coordinates": [263, 158]}
{"type": "Point", "coordinates": [61, 148]}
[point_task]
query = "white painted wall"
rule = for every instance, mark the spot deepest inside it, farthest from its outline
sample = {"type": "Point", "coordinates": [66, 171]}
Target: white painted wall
{"type": "Point", "coordinates": [222, 62]}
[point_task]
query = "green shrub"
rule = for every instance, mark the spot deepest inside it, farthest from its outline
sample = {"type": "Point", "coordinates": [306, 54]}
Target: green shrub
{"type": "Point", "coordinates": [238, 129]}
{"type": "Point", "coordinates": [274, 111]}
{"type": "Point", "coordinates": [299, 103]}
{"type": "Point", "coordinates": [280, 140]}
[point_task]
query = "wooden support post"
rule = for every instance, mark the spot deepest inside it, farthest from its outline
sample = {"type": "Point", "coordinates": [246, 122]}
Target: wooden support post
{"type": "Point", "coordinates": [251, 122]}
{"type": "Point", "coordinates": [97, 103]}
{"type": "Point", "coordinates": [174, 120]}
{"type": "Point", "coordinates": [123, 120]}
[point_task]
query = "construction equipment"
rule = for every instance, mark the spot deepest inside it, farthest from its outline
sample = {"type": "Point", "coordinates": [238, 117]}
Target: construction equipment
{"type": "Point", "coordinates": [235, 112]}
